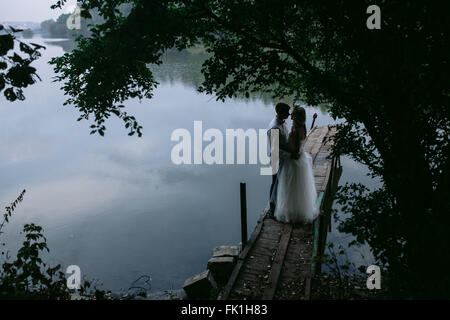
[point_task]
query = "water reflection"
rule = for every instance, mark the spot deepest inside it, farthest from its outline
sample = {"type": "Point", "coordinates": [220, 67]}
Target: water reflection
{"type": "Point", "coordinates": [116, 205]}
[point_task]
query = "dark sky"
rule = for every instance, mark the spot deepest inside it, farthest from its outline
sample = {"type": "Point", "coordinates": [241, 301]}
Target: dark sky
{"type": "Point", "coordinates": [31, 10]}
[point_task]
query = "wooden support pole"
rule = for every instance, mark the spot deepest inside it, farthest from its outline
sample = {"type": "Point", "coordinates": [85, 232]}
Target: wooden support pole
{"type": "Point", "coordinates": [314, 120]}
{"type": "Point", "coordinates": [333, 170]}
{"type": "Point", "coordinates": [243, 215]}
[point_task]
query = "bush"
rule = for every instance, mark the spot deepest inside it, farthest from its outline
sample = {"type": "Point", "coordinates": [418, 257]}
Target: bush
{"type": "Point", "coordinates": [28, 277]}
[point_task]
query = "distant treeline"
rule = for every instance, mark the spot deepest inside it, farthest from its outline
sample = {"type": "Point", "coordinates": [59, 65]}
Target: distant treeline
{"type": "Point", "coordinates": [27, 33]}
{"type": "Point", "coordinates": [58, 29]}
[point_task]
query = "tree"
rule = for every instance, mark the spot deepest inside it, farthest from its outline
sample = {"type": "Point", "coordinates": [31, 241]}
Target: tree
{"type": "Point", "coordinates": [27, 33]}
{"type": "Point", "coordinates": [16, 72]}
{"type": "Point", "coordinates": [28, 277]}
{"type": "Point", "coordinates": [390, 85]}
{"type": "Point", "coordinates": [46, 27]}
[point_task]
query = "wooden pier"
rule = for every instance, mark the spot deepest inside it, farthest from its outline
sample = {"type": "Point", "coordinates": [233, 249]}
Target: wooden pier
{"type": "Point", "coordinates": [278, 260]}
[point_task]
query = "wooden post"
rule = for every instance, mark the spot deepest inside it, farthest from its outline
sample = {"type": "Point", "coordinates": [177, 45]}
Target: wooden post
{"type": "Point", "coordinates": [314, 120]}
{"type": "Point", "coordinates": [333, 170]}
{"type": "Point", "coordinates": [243, 214]}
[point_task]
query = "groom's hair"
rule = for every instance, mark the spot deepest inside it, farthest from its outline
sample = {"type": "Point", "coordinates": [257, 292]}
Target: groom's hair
{"type": "Point", "coordinates": [281, 106]}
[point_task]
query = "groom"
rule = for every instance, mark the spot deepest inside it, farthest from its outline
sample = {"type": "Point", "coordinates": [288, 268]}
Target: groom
{"type": "Point", "coordinates": [278, 123]}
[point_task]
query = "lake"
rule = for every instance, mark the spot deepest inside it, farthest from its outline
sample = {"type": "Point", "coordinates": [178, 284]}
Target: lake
{"type": "Point", "coordinates": [117, 206]}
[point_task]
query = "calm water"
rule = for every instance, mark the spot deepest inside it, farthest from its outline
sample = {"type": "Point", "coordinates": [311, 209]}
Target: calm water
{"type": "Point", "coordinates": [116, 205]}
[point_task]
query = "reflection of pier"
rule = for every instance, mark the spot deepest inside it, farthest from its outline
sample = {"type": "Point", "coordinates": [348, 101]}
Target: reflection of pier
{"type": "Point", "coordinates": [278, 260]}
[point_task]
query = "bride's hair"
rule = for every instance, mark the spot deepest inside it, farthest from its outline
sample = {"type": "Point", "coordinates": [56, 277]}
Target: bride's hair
{"type": "Point", "coordinates": [298, 116]}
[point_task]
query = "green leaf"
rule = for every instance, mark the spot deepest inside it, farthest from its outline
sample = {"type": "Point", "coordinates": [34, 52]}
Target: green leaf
{"type": "Point", "coordinates": [10, 94]}
{"type": "Point", "coordinates": [17, 58]}
{"type": "Point", "coordinates": [85, 14]}
{"type": "Point", "coordinates": [6, 43]}
{"type": "Point", "coordinates": [25, 48]}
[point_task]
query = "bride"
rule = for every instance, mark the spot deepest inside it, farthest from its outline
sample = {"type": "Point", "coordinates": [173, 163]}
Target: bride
{"type": "Point", "coordinates": [296, 197]}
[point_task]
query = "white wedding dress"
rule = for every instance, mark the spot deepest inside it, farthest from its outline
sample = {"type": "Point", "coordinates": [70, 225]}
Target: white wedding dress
{"type": "Point", "coordinates": [296, 194]}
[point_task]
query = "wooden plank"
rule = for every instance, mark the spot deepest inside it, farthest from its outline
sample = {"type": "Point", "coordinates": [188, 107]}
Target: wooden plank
{"type": "Point", "coordinates": [228, 287]}
{"type": "Point", "coordinates": [309, 139]}
{"type": "Point", "coordinates": [259, 250]}
{"type": "Point", "coordinates": [268, 243]}
{"type": "Point", "coordinates": [269, 226]}
{"type": "Point", "coordinates": [243, 287]}
{"type": "Point", "coordinates": [308, 288]}
{"type": "Point", "coordinates": [314, 135]}
{"type": "Point", "coordinates": [255, 271]}
{"type": "Point", "coordinates": [320, 180]}
{"type": "Point", "coordinates": [325, 182]}
{"type": "Point", "coordinates": [328, 145]}
{"type": "Point", "coordinates": [320, 171]}
{"type": "Point", "coordinates": [321, 157]}
{"type": "Point", "coordinates": [270, 235]}
{"type": "Point", "coordinates": [277, 265]}
{"type": "Point", "coordinates": [319, 143]}
{"type": "Point", "coordinates": [255, 257]}
{"type": "Point", "coordinates": [258, 246]}
{"type": "Point", "coordinates": [255, 267]}
{"type": "Point", "coordinates": [247, 276]}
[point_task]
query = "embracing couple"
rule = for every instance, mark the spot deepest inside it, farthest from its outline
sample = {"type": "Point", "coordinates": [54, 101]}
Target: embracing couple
{"type": "Point", "coordinates": [293, 192]}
